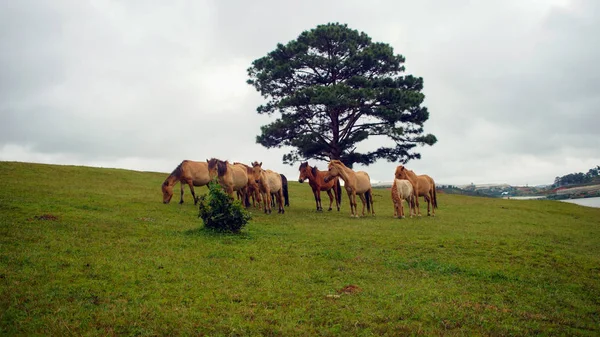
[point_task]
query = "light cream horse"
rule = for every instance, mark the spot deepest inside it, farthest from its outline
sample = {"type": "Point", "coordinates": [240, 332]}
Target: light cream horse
{"type": "Point", "coordinates": [354, 183]}
{"type": "Point", "coordinates": [268, 182]}
{"type": "Point", "coordinates": [422, 185]}
{"type": "Point", "coordinates": [231, 177]}
{"type": "Point", "coordinates": [402, 190]}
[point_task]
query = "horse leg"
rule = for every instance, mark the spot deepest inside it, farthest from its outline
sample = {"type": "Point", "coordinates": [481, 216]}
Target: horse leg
{"type": "Point", "coordinates": [330, 199]}
{"type": "Point", "coordinates": [371, 198]}
{"type": "Point", "coordinates": [191, 185]}
{"type": "Point", "coordinates": [318, 199]}
{"type": "Point", "coordinates": [364, 202]}
{"type": "Point", "coordinates": [181, 199]}
{"type": "Point", "coordinates": [416, 195]}
{"type": "Point", "coordinates": [353, 210]}
{"type": "Point", "coordinates": [268, 201]}
{"type": "Point", "coordinates": [280, 201]}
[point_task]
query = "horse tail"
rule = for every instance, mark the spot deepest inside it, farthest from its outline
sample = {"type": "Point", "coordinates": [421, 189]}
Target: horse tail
{"type": "Point", "coordinates": [284, 186]}
{"type": "Point", "coordinates": [338, 188]}
{"type": "Point", "coordinates": [434, 197]}
{"type": "Point", "coordinates": [368, 196]}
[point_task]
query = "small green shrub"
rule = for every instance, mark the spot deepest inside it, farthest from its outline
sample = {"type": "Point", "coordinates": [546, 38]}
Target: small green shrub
{"type": "Point", "coordinates": [219, 212]}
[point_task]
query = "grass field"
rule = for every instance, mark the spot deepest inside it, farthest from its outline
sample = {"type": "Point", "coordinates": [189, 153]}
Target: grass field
{"type": "Point", "coordinates": [91, 251]}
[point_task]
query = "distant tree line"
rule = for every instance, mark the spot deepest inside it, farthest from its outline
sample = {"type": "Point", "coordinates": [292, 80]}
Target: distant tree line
{"type": "Point", "coordinates": [593, 175]}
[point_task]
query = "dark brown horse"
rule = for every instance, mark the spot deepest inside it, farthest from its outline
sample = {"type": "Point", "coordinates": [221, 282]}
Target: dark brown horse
{"type": "Point", "coordinates": [316, 180]}
{"type": "Point", "coordinates": [192, 173]}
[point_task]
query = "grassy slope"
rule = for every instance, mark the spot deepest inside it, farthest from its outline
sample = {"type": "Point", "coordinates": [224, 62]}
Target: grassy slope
{"type": "Point", "coordinates": [118, 261]}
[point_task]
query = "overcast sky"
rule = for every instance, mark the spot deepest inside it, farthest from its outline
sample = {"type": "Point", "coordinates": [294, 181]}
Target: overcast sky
{"type": "Point", "coordinates": [512, 86]}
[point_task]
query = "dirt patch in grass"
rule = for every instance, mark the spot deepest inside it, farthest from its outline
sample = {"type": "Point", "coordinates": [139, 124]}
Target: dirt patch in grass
{"type": "Point", "coordinates": [350, 289]}
{"type": "Point", "coordinates": [46, 217]}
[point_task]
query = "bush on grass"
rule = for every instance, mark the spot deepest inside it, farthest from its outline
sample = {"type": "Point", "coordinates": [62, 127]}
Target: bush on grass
{"type": "Point", "coordinates": [219, 212]}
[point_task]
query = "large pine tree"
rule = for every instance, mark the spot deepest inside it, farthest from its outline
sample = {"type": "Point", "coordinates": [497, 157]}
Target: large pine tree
{"type": "Point", "coordinates": [333, 88]}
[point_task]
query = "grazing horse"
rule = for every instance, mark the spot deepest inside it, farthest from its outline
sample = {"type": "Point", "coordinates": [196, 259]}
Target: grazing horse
{"type": "Point", "coordinates": [231, 177]}
{"type": "Point", "coordinates": [316, 180]}
{"type": "Point", "coordinates": [422, 185]}
{"type": "Point", "coordinates": [192, 173]}
{"type": "Point", "coordinates": [268, 182]}
{"type": "Point", "coordinates": [354, 183]}
{"type": "Point", "coordinates": [402, 190]}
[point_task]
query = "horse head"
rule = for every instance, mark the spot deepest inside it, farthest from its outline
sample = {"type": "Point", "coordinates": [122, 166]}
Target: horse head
{"type": "Point", "coordinates": [401, 172]}
{"type": "Point", "coordinates": [257, 171]}
{"type": "Point", "coordinates": [167, 191]}
{"type": "Point", "coordinates": [333, 170]}
{"type": "Point", "coordinates": [221, 168]}
{"type": "Point", "coordinates": [302, 169]}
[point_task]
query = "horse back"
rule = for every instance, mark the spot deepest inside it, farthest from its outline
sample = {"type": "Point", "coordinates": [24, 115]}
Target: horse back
{"type": "Point", "coordinates": [273, 179]}
{"type": "Point", "coordinates": [404, 188]}
{"type": "Point", "coordinates": [363, 182]}
{"type": "Point", "coordinates": [197, 171]}
{"type": "Point", "coordinates": [239, 176]}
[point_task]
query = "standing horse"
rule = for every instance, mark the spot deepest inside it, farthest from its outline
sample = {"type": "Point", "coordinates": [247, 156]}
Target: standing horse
{"type": "Point", "coordinates": [268, 182]}
{"type": "Point", "coordinates": [192, 173]}
{"type": "Point", "coordinates": [284, 185]}
{"type": "Point", "coordinates": [231, 177]}
{"type": "Point", "coordinates": [316, 180]}
{"type": "Point", "coordinates": [402, 190]}
{"type": "Point", "coordinates": [354, 183]}
{"type": "Point", "coordinates": [252, 187]}
{"type": "Point", "coordinates": [422, 185]}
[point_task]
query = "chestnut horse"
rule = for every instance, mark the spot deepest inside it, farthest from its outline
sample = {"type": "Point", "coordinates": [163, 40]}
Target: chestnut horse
{"type": "Point", "coordinates": [268, 182]}
{"type": "Point", "coordinates": [354, 183]}
{"type": "Point", "coordinates": [231, 177]}
{"type": "Point", "coordinates": [402, 190]}
{"type": "Point", "coordinates": [422, 185]}
{"type": "Point", "coordinates": [316, 180]}
{"type": "Point", "coordinates": [192, 173]}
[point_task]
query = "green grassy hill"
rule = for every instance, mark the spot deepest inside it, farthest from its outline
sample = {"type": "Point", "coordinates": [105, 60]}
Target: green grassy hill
{"type": "Point", "coordinates": [91, 251]}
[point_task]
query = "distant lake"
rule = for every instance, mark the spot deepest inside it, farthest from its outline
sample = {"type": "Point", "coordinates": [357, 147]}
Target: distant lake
{"type": "Point", "coordinates": [589, 202]}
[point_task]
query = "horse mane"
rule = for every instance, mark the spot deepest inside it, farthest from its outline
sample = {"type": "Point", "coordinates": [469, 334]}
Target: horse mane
{"type": "Point", "coordinates": [175, 174]}
{"type": "Point", "coordinates": [314, 171]}
{"type": "Point", "coordinates": [303, 165]}
{"type": "Point", "coordinates": [221, 168]}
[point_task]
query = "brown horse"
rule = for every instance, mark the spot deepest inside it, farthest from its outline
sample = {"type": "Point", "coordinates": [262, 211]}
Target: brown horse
{"type": "Point", "coordinates": [422, 185]}
{"type": "Point", "coordinates": [192, 173]}
{"type": "Point", "coordinates": [316, 180]}
{"type": "Point", "coordinates": [231, 177]}
{"type": "Point", "coordinates": [268, 182]}
{"type": "Point", "coordinates": [354, 183]}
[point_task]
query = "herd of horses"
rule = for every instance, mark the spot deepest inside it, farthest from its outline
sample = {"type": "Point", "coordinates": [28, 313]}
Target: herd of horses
{"type": "Point", "coordinates": [269, 188]}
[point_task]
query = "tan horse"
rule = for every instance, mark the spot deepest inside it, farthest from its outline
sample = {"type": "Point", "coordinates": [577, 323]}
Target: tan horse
{"type": "Point", "coordinates": [316, 180]}
{"type": "Point", "coordinates": [402, 190]}
{"type": "Point", "coordinates": [192, 173]}
{"type": "Point", "coordinates": [354, 183]}
{"type": "Point", "coordinates": [231, 177]}
{"type": "Point", "coordinates": [252, 192]}
{"type": "Point", "coordinates": [268, 182]}
{"type": "Point", "coordinates": [422, 185]}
